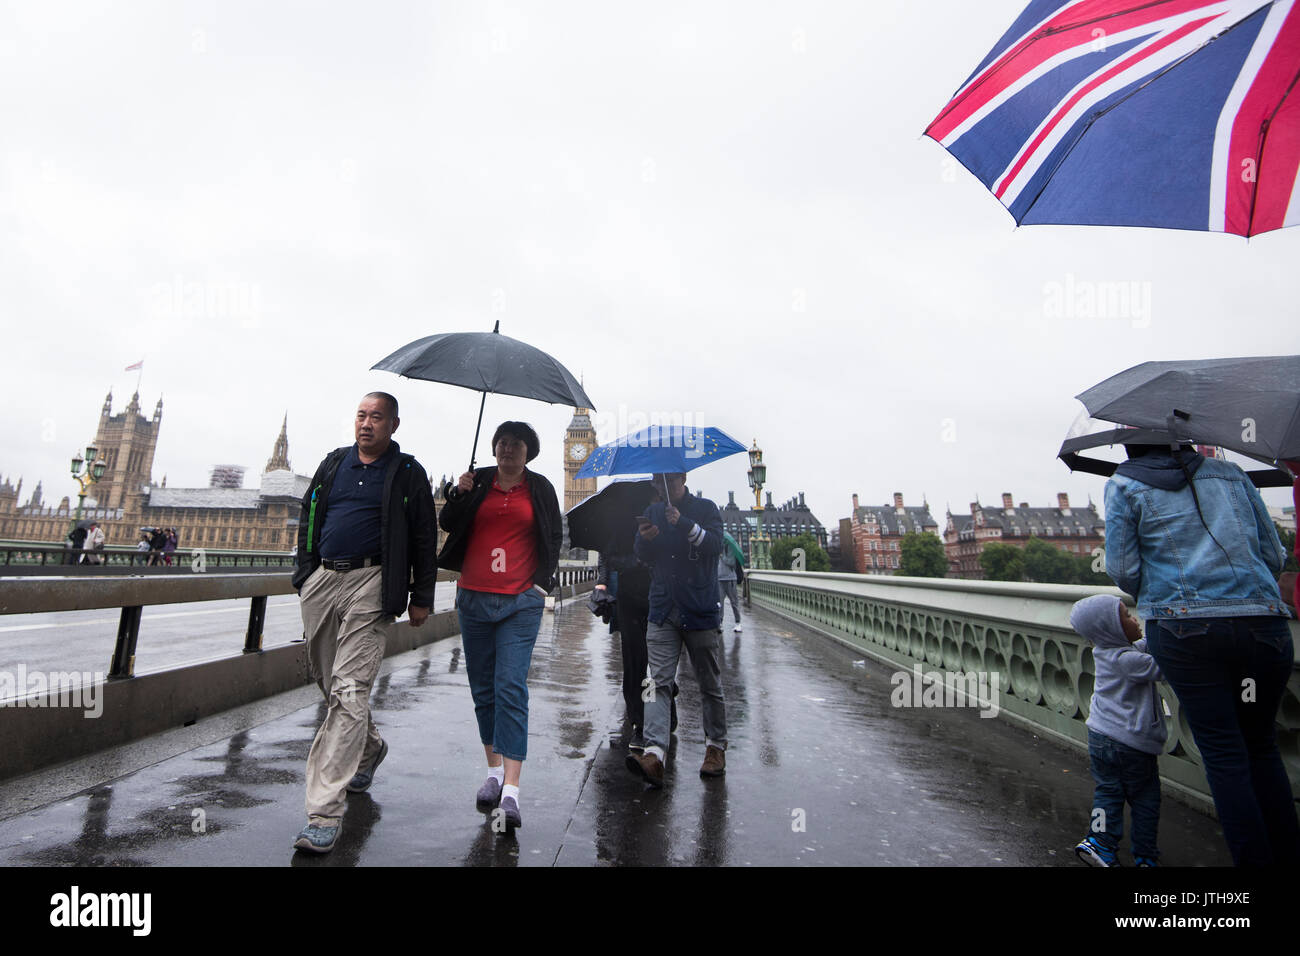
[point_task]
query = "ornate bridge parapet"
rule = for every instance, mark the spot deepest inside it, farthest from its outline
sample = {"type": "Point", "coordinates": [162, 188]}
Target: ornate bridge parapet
{"type": "Point", "coordinates": [1020, 632]}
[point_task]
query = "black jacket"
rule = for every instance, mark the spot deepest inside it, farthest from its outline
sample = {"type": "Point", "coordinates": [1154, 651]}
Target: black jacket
{"type": "Point", "coordinates": [457, 518]}
{"type": "Point", "coordinates": [409, 540]}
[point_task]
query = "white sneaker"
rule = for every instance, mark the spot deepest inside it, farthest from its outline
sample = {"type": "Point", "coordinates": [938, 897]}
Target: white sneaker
{"type": "Point", "coordinates": [737, 628]}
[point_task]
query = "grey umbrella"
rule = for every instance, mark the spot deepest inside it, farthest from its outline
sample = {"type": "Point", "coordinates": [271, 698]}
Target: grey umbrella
{"type": "Point", "coordinates": [1248, 405]}
{"type": "Point", "coordinates": [487, 362]}
{"type": "Point", "coordinates": [1073, 447]}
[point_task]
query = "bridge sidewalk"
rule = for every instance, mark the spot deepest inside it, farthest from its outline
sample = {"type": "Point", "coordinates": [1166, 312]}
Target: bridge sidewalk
{"type": "Point", "coordinates": [822, 770]}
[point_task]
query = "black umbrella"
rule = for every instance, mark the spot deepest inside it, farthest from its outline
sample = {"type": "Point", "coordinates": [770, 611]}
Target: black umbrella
{"type": "Point", "coordinates": [1248, 405]}
{"type": "Point", "coordinates": [487, 362]}
{"type": "Point", "coordinates": [1070, 448]}
{"type": "Point", "coordinates": [592, 523]}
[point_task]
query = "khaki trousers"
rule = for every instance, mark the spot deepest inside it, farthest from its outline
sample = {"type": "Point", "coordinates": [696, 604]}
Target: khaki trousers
{"type": "Point", "coordinates": [344, 621]}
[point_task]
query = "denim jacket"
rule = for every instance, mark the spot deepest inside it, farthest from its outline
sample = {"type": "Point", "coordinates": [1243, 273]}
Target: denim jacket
{"type": "Point", "coordinates": [1158, 550]}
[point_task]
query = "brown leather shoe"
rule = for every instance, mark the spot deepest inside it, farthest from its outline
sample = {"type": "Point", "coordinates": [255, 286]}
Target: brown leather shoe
{"type": "Point", "coordinates": [648, 766]}
{"type": "Point", "coordinates": [715, 762]}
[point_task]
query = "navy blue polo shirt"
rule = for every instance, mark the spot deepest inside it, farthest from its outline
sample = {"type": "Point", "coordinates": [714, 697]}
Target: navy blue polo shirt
{"type": "Point", "coordinates": [354, 514]}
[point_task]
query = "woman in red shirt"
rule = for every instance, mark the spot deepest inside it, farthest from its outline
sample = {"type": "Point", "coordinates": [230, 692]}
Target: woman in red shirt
{"type": "Point", "coordinates": [504, 536]}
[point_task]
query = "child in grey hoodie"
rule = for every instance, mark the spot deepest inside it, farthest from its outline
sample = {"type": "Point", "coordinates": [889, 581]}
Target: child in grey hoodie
{"type": "Point", "coordinates": [1126, 732]}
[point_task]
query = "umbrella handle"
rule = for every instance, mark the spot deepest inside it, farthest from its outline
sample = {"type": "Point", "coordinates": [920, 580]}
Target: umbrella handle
{"type": "Point", "coordinates": [473, 450]}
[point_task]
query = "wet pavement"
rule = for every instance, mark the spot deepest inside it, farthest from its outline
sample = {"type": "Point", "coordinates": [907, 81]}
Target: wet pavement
{"type": "Point", "coordinates": [821, 770]}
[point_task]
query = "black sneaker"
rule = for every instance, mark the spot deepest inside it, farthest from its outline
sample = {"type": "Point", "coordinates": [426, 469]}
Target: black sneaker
{"type": "Point", "coordinates": [636, 744]}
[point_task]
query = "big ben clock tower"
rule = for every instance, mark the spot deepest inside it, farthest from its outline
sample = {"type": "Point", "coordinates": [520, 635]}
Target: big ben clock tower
{"type": "Point", "coordinates": [579, 442]}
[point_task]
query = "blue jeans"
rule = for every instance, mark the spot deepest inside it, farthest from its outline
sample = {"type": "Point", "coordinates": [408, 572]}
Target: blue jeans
{"type": "Point", "coordinates": [1124, 773]}
{"type": "Point", "coordinates": [499, 631]}
{"type": "Point", "coordinates": [1213, 663]}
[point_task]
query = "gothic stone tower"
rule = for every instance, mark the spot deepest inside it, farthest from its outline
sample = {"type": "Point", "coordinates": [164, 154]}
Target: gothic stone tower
{"type": "Point", "coordinates": [579, 441]}
{"type": "Point", "coordinates": [126, 442]}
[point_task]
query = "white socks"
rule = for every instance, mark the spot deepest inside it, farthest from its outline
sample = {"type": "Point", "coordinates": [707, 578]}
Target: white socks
{"type": "Point", "coordinates": [510, 790]}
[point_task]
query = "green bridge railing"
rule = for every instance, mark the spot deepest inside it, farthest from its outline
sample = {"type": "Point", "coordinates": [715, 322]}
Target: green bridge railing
{"type": "Point", "coordinates": [1020, 632]}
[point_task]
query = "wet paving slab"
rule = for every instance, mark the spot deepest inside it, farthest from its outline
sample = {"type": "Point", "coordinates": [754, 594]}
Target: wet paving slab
{"type": "Point", "coordinates": [821, 771]}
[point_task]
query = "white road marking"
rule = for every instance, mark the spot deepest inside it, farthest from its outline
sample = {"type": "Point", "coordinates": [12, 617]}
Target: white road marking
{"type": "Point", "coordinates": [152, 617]}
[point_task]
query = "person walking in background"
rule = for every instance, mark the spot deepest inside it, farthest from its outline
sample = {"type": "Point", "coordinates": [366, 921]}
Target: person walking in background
{"type": "Point", "coordinates": [681, 539]}
{"type": "Point", "coordinates": [1191, 539]}
{"type": "Point", "coordinates": [77, 543]}
{"type": "Point", "coordinates": [618, 560]}
{"type": "Point", "coordinates": [1126, 732]}
{"type": "Point", "coordinates": [157, 541]}
{"type": "Point", "coordinates": [95, 544]}
{"type": "Point", "coordinates": [366, 541]}
{"type": "Point", "coordinates": [728, 574]}
{"type": "Point", "coordinates": [169, 545]}
{"type": "Point", "coordinates": [504, 533]}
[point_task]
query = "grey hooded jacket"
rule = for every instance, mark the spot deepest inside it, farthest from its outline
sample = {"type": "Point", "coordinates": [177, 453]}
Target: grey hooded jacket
{"type": "Point", "coordinates": [1125, 703]}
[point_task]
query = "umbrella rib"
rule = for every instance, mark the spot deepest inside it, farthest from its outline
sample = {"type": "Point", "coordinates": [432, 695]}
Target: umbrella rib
{"type": "Point", "coordinates": [1263, 139]}
{"type": "Point", "coordinates": [1029, 41]}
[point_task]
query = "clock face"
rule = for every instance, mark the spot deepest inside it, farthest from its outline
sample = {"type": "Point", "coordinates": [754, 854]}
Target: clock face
{"type": "Point", "coordinates": [578, 452]}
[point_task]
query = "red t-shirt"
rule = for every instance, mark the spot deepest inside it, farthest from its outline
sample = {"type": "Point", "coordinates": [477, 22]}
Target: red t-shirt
{"type": "Point", "coordinates": [501, 556]}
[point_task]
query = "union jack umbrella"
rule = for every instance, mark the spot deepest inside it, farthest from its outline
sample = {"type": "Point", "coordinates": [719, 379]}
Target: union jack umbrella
{"type": "Point", "coordinates": [1180, 114]}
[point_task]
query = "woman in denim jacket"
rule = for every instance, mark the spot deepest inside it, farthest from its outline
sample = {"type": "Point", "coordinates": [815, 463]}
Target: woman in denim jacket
{"type": "Point", "coordinates": [1191, 540]}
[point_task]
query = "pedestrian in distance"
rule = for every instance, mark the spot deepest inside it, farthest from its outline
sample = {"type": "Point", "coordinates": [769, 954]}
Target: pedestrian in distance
{"type": "Point", "coordinates": [681, 539]}
{"type": "Point", "coordinates": [367, 551]}
{"type": "Point", "coordinates": [77, 544]}
{"type": "Point", "coordinates": [1126, 733]}
{"type": "Point", "coordinates": [1191, 539]}
{"type": "Point", "coordinates": [95, 544]}
{"type": "Point", "coordinates": [157, 541]}
{"type": "Point", "coordinates": [728, 574]}
{"type": "Point", "coordinates": [169, 545]}
{"type": "Point", "coordinates": [618, 563]}
{"type": "Point", "coordinates": [504, 533]}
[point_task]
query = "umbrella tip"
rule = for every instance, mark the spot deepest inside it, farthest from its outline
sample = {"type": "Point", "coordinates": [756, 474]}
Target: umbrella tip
{"type": "Point", "coordinates": [496, 326]}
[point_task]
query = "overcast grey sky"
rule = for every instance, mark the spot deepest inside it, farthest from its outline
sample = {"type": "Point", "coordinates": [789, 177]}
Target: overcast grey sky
{"type": "Point", "coordinates": [722, 211]}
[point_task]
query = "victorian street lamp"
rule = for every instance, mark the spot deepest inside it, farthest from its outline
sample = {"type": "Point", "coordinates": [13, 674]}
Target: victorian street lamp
{"type": "Point", "coordinates": [95, 469]}
{"type": "Point", "coordinates": [759, 556]}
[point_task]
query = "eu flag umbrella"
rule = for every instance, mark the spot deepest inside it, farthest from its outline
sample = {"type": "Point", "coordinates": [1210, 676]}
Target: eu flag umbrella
{"type": "Point", "coordinates": [660, 449]}
{"type": "Point", "coordinates": [1180, 114]}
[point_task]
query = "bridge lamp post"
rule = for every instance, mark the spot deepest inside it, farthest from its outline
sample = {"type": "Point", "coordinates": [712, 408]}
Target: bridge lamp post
{"type": "Point", "coordinates": [95, 469]}
{"type": "Point", "coordinates": [758, 551]}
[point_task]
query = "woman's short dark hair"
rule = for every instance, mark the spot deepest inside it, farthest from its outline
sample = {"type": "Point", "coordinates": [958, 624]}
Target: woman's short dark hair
{"type": "Point", "coordinates": [522, 431]}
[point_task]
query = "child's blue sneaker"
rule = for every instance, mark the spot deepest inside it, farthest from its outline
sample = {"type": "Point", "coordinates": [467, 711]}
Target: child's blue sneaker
{"type": "Point", "coordinates": [1144, 861]}
{"type": "Point", "coordinates": [1094, 854]}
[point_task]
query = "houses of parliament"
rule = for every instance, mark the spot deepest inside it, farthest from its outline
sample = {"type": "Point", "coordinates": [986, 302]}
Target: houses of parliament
{"type": "Point", "coordinates": [224, 515]}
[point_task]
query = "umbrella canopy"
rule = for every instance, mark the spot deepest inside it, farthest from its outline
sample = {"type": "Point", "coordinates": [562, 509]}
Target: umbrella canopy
{"type": "Point", "coordinates": [1072, 447]}
{"type": "Point", "coordinates": [610, 511]}
{"type": "Point", "coordinates": [660, 448]}
{"type": "Point", "coordinates": [734, 548]}
{"type": "Point", "coordinates": [1248, 405]}
{"type": "Point", "coordinates": [487, 362]}
{"type": "Point", "coordinates": [1166, 113]}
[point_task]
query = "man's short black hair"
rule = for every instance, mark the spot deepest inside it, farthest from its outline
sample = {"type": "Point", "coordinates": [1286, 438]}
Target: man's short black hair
{"type": "Point", "coordinates": [522, 431]}
{"type": "Point", "coordinates": [392, 401]}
